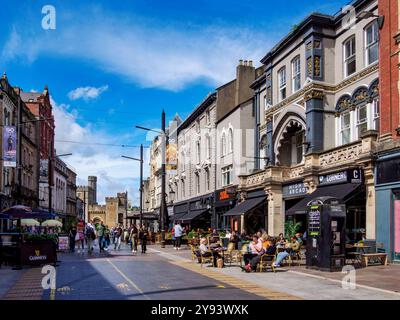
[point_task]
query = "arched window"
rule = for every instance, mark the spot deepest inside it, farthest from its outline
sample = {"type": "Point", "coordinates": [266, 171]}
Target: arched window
{"type": "Point", "coordinates": [230, 140]}
{"type": "Point", "coordinates": [223, 144]}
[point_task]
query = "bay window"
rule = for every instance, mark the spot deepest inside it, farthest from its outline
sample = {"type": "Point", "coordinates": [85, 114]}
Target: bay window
{"type": "Point", "coordinates": [375, 114]}
{"type": "Point", "coordinates": [362, 120]}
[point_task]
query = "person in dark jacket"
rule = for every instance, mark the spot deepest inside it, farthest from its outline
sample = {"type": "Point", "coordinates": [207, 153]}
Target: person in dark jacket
{"type": "Point", "coordinates": [143, 238]}
{"type": "Point", "coordinates": [72, 235]}
{"type": "Point", "coordinates": [271, 250]}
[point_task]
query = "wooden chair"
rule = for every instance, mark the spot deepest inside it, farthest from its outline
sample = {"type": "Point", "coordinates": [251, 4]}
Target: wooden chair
{"type": "Point", "coordinates": [242, 251]}
{"type": "Point", "coordinates": [206, 259]}
{"type": "Point", "coordinates": [294, 255]}
{"type": "Point", "coordinates": [193, 250]}
{"type": "Point", "coordinates": [232, 255]}
{"type": "Point", "coordinates": [267, 261]}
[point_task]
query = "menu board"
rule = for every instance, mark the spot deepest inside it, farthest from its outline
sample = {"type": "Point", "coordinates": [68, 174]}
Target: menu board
{"type": "Point", "coordinates": [314, 221]}
{"type": "Point", "coordinates": [63, 243]}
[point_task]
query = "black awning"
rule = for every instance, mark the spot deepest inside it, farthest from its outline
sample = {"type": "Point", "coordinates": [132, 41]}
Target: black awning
{"type": "Point", "coordinates": [192, 215]}
{"type": "Point", "coordinates": [245, 206]}
{"type": "Point", "coordinates": [340, 191]}
{"type": "Point", "coordinates": [179, 216]}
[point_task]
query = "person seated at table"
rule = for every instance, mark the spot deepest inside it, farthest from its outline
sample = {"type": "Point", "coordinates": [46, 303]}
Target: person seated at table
{"type": "Point", "coordinates": [204, 251]}
{"type": "Point", "coordinates": [271, 250]}
{"type": "Point", "coordinates": [243, 235]}
{"type": "Point", "coordinates": [235, 238]}
{"type": "Point", "coordinates": [255, 248]}
{"type": "Point", "coordinates": [228, 234]}
{"type": "Point", "coordinates": [281, 242]}
{"type": "Point", "coordinates": [265, 239]}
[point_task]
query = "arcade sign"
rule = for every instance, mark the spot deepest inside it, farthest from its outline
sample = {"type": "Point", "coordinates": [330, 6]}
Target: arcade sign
{"type": "Point", "coordinates": [346, 176]}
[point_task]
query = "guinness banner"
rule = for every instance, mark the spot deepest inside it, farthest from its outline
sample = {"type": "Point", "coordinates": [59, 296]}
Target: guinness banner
{"type": "Point", "coordinates": [10, 146]}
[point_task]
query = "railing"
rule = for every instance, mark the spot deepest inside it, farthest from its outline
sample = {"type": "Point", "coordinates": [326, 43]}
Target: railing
{"type": "Point", "coordinates": [340, 155]}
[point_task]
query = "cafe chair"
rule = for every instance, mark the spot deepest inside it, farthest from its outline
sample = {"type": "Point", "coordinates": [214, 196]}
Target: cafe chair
{"type": "Point", "coordinates": [231, 255]}
{"type": "Point", "coordinates": [193, 250]}
{"type": "Point", "coordinates": [206, 259]}
{"type": "Point", "coordinates": [267, 261]}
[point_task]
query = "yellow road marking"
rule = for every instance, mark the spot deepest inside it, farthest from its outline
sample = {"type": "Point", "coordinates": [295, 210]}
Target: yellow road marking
{"type": "Point", "coordinates": [127, 279]}
{"type": "Point", "coordinates": [235, 282]}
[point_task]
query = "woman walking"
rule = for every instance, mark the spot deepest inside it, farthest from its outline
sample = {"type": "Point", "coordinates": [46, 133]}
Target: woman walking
{"type": "Point", "coordinates": [72, 235]}
{"type": "Point", "coordinates": [80, 237]}
{"type": "Point", "coordinates": [134, 239]}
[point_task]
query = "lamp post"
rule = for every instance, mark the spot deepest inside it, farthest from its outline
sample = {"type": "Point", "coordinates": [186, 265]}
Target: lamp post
{"type": "Point", "coordinates": [163, 207]}
{"type": "Point", "coordinates": [141, 181]}
{"type": "Point", "coordinates": [368, 14]}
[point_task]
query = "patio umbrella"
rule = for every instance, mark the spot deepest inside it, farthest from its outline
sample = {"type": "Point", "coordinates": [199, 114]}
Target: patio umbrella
{"type": "Point", "coordinates": [52, 223]}
{"type": "Point", "coordinates": [17, 210]}
{"type": "Point", "coordinates": [29, 222]}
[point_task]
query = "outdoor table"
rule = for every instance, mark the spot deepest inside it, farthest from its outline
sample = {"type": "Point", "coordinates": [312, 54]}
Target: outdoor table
{"type": "Point", "coordinates": [218, 250]}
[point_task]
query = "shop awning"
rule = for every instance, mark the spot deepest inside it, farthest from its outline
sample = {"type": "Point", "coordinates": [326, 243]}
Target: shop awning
{"type": "Point", "coordinates": [179, 216]}
{"type": "Point", "coordinates": [340, 191]}
{"type": "Point", "coordinates": [245, 206]}
{"type": "Point", "coordinates": [192, 215]}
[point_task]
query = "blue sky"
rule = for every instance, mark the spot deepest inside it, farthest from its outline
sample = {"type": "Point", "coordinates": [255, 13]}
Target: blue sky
{"type": "Point", "coordinates": [111, 65]}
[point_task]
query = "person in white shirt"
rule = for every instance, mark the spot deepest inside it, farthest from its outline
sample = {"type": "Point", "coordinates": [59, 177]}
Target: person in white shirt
{"type": "Point", "coordinates": [178, 232]}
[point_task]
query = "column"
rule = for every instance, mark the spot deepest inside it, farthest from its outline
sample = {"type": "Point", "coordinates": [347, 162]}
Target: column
{"type": "Point", "coordinates": [276, 214]}
{"type": "Point", "coordinates": [370, 219]}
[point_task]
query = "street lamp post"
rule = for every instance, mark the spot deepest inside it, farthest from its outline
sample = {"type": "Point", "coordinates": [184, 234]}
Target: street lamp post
{"type": "Point", "coordinates": [141, 181]}
{"type": "Point", "coordinates": [163, 207]}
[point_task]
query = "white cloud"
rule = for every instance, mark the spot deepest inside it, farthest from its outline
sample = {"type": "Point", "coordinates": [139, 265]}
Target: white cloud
{"type": "Point", "coordinates": [92, 157]}
{"type": "Point", "coordinates": [163, 56]}
{"type": "Point", "coordinates": [86, 93]}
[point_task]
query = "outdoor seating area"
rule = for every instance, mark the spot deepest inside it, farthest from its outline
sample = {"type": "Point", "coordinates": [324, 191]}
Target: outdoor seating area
{"type": "Point", "coordinates": [28, 237]}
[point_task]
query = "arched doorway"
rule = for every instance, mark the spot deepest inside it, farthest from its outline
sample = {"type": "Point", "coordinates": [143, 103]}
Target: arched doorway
{"type": "Point", "coordinates": [290, 144]}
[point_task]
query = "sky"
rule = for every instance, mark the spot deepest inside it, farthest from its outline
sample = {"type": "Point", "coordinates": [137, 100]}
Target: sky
{"type": "Point", "coordinates": [111, 65]}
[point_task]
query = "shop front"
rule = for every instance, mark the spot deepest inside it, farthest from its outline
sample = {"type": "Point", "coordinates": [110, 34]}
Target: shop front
{"type": "Point", "coordinates": [347, 186]}
{"type": "Point", "coordinates": [194, 213]}
{"type": "Point", "coordinates": [387, 191]}
{"type": "Point", "coordinates": [225, 200]}
{"type": "Point", "coordinates": [292, 194]}
{"type": "Point", "coordinates": [249, 215]}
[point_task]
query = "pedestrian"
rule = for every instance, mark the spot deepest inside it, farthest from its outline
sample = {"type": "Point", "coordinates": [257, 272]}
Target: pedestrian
{"type": "Point", "coordinates": [178, 231]}
{"type": "Point", "coordinates": [173, 237]}
{"type": "Point", "coordinates": [143, 238]}
{"type": "Point", "coordinates": [101, 234]}
{"type": "Point", "coordinates": [80, 237]}
{"type": "Point", "coordinates": [72, 235]}
{"type": "Point", "coordinates": [134, 239]}
{"type": "Point", "coordinates": [117, 234]}
{"type": "Point", "coordinates": [90, 235]}
{"type": "Point", "coordinates": [107, 238]}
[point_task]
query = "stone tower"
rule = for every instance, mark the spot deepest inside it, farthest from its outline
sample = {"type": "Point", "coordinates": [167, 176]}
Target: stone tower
{"type": "Point", "coordinates": [92, 181]}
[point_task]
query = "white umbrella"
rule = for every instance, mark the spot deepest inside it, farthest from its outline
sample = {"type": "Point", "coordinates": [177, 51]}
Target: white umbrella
{"type": "Point", "coordinates": [51, 223]}
{"type": "Point", "coordinates": [29, 222]}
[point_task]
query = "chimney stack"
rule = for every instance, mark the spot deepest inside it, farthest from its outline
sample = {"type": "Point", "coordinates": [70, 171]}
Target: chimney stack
{"type": "Point", "coordinates": [240, 62]}
{"type": "Point", "coordinates": [250, 63]}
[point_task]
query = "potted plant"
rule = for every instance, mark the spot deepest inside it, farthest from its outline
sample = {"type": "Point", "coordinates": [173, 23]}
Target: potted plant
{"type": "Point", "coordinates": [291, 228]}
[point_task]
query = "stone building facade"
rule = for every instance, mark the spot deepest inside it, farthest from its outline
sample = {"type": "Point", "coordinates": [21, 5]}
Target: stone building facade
{"type": "Point", "coordinates": [317, 115]}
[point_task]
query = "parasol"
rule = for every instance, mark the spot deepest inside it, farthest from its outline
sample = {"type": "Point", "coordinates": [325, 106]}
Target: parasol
{"type": "Point", "coordinates": [29, 222]}
{"type": "Point", "coordinates": [52, 223]}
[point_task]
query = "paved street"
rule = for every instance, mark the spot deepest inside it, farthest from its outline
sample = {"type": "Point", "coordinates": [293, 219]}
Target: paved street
{"type": "Point", "coordinates": [166, 274]}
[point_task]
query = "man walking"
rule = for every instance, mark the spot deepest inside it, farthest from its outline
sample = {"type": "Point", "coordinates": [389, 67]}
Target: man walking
{"type": "Point", "coordinates": [178, 232]}
{"type": "Point", "coordinates": [118, 234]}
{"type": "Point", "coordinates": [101, 234]}
{"type": "Point", "coordinates": [143, 238]}
{"type": "Point", "coordinates": [90, 235]}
